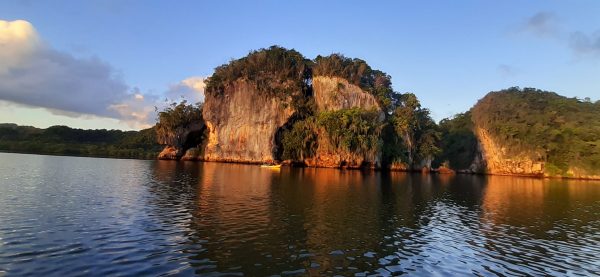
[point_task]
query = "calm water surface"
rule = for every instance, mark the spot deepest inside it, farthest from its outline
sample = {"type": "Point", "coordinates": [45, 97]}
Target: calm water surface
{"type": "Point", "coordinates": [84, 216]}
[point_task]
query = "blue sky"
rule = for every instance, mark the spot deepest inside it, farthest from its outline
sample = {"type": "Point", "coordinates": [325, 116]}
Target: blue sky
{"type": "Point", "coordinates": [449, 53]}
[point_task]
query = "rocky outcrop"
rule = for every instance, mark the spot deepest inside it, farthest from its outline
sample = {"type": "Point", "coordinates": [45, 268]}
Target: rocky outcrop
{"type": "Point", "coordinates": [242, 122]}
{"type": "Point", "coordinates": [495, 159]}
{"type": "Point", "coordinates": [193, 154]}
{"type": "Point", "coordinates": [332, 94]}
{"type": "Point", "coordinates": [176, 142]}
{"type": "Point", "coordinates": [169, 153]}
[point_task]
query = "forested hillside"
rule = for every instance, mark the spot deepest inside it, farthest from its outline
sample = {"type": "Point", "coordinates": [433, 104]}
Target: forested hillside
{"type": "Point", "coordinates": [562, 132]}
{"type": "Point", "coordinates": [62, 140]}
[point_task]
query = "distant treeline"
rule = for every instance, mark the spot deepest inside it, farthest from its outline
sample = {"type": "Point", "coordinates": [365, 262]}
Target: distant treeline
{"type": "Point", "coordinates": [62, 140]}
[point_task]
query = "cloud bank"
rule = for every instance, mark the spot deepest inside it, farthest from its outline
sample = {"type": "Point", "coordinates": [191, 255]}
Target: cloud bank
{"type": "Point", "coordinates": [32, 73]}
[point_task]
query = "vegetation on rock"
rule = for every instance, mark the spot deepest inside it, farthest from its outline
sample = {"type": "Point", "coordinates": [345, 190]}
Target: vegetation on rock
{"type": "Point", "coordinates": [359, 73]}
{"type": "Point", "coordinates": [353, 130]}
{"type": "Point", "coordinates": [416, 129]}
{"type": "Point", "coordinates": [406, 133]}
{"type": "Point", "coordinates": [300, 141]}
{"type": "Point", "coordinates": [274, 70]}
{"type": "Point", "coordinates": [562, 132]}
{"type": "Point", "coordinates": [458, 142]}
{"type": "Point", "coordinates": [175, 120]}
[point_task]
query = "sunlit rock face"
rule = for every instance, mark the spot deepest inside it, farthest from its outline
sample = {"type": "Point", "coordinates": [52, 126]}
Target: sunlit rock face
{"type": "Point", "coordinates": [178, 141]}
{"type": "Point", "coordinates": [242, 122]}
{"type": "Point", "coordinates": [169, 153]}
{"type": "Point", "coordinates": [496, 160]}
{"type": "Point", "coordinates": [332, 94]}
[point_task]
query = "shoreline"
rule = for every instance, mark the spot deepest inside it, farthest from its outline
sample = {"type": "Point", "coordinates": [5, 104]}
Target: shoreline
{"type": "Point", "coordinates": [430, 172]}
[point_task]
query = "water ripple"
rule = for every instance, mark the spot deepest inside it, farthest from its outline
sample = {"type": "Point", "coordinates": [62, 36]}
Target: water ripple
{"type": "Point", "coordinates": [82, 216]}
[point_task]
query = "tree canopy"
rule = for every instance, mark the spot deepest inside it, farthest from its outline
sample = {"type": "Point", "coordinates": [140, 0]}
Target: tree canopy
{"type": "Point", "coordinates": [175, 119]}
{"type": "Point", "coordinates": [63, 140]}
{"type": "Point", "coordinates": [274, 70]}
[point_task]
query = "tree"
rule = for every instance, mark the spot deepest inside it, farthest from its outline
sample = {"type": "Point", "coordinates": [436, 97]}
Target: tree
{"type": "Point", "coordinates": [415, 127]}
{"type": "Point", "coordinates": [175, 119]}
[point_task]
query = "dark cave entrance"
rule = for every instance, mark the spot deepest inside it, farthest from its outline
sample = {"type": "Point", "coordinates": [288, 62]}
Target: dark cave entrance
{"type": "Point", "coordinates": [194, 139]}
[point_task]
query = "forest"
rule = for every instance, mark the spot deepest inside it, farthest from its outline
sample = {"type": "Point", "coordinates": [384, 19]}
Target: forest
{"type": "Point", "coordinates": [62, 140]}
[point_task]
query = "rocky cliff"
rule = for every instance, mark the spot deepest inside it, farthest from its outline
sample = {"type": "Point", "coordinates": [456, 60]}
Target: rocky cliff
{"type": "Point", "coordinates": [495, 158]}
{"type": "Point", "coordinates": [242, 122]}
{"type": "Point", "coordinates": [334, 94]}
{"type": "Point", "coordinates": [179, 140]}
{"type": "Point", "coordinates": [535, 133]}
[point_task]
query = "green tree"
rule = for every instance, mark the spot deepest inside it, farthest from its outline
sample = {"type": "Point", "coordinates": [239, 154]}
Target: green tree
{"type": "Point", "coordinates": [414, 126]}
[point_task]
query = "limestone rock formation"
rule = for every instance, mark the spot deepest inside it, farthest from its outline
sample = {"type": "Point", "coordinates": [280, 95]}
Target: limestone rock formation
{"type": "Point", "coordinates": [333, 94]}
{"type": "Point", "coordinates": [498, 161]}
{"type": "Point", "coordinates": [242, 123]}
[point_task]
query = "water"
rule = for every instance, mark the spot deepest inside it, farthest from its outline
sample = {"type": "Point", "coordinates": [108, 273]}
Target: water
{"type": "Point", "coordinates": [83, 216]}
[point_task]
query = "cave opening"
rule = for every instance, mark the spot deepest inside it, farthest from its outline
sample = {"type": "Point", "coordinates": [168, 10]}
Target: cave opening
{"type": "Point", "coordinates": [194, 139]}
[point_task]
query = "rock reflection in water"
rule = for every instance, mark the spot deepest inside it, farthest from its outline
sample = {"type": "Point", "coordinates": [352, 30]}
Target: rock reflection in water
{"type": "Point", "coordinates": [260, 221]}
{"type": "Point", "coordinates": [68, 216]}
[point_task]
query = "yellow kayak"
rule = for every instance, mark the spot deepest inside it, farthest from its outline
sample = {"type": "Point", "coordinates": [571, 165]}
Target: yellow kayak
{"type": "Point", "coordinates": [275, 166]}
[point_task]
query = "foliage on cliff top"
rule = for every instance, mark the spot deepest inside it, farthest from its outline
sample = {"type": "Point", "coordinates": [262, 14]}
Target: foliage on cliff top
{"type": "Point", "coordinates": [564, 132]}
{"type": "Point", "coordinates": [275, 70]}
{"type": "Point", "coordinates": [359, 73]}
{"type": "Point", "coordinates": [62, 140]}
{"type": "Point", "coordinates": [175, 118]}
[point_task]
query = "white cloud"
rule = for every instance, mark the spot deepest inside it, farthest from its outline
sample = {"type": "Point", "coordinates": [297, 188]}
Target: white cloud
{"type": "Point", "coordinates": [190, 89]}
{"type": "Point", "coordinates": [18, 41]}
{"type": "Point", "coordinates": [138, 111]}
{"type": "Point", "coordinates": [34, 74]}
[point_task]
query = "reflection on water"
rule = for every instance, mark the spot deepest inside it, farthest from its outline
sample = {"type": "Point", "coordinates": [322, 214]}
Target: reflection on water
{"type": "Point", "coordinates": [64, 215]}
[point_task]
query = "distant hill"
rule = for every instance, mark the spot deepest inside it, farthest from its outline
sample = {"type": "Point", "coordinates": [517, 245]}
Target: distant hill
{"type": "Point", "coordinates": [526, 131]}
{"type": "Point", "coordinates": [62, 140]}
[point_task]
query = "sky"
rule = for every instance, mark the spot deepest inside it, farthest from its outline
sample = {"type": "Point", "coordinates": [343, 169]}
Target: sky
{"type": "Point", "coordinates": [108, 64]}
